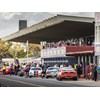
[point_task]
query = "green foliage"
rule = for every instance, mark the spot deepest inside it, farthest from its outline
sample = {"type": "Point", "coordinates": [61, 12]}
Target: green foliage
{"type": "Point", "coordinates": [34, 50]}
{"type": "Point", "coordinates": [11, 50]}
{"type": "Point", "coordinates": [17, 51]}
{"type": "Point", "coordinates": [4, 49]}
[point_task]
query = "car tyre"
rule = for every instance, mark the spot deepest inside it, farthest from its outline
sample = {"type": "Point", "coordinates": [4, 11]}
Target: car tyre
{"type": "Point", "coordinates": [30, 76]}
{"type": "Point", "coordinates": [47, 77]}
{"type": "Point", "coordinates": [59, 79]}
{"type": "Point", "coordinates": [75, 79]}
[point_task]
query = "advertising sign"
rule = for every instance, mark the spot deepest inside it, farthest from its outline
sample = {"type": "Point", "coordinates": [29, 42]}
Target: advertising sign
{"type": "Point", "coordinates": [53, 52]}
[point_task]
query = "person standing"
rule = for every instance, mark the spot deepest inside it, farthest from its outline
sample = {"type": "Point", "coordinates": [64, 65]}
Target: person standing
{"type": "Point", "coordinates": [70, 66]}
{"type": "Point", "coordinates": [43, 73]}
{"type": "Point", "coordinates": [4, 69]}
{"type": "Point", "coordinates": [11, 70]}
{"type": "Point", "coordinates": [56, 65]}
{"type": "Point", "coordinates": [78, 70]}
{"type": "Point", "coordinates": [17, 69]}
{"type": "Point", "coordinates": [75, 67]}
{"type": "Point", "coordinates": [91, 72]}
{"type": "Point", "coordinates": [81, 69]}
{"type": "Point", "coordinates": [61, 66]}
{"type": "Point", "coordinates": [95, 72]}
{"type": "Point", "coordinates": [87, 72]}
{"type": "Point", "coordinates": [27, 71]}
{"type": "Point", "coordinates": [16, 61]}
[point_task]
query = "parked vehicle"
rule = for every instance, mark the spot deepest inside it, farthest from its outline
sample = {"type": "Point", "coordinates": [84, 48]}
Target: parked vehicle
{"type": "Point", "coordinates": [1, 71]}
{"type": "Point", "coordinates": [66, 73]}
{"type": "Point", "coordinates": [35, 71]}
{"type": "Point", "coordinates": [7, 69]}
{"type": "Point", "coordinates": [52, 72]}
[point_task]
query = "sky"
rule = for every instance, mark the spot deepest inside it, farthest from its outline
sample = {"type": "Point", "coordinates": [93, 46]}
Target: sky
{"type": "Point", "coordinates": [9, 21]}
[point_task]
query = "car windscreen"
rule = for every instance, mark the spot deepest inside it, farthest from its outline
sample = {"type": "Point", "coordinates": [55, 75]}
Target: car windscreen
{"type": "Point", "coordinates": [53, 68]}
{"type": "Point", "coordinates": [35, 68]}
{"type": "Point", "coordinates": [38, 68]}
{"type": "Point", "coordinates": [67, 69]}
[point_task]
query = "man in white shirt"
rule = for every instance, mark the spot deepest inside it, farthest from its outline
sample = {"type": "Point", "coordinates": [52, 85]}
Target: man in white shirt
{"type": "Point", "coordinates": [61, 66]}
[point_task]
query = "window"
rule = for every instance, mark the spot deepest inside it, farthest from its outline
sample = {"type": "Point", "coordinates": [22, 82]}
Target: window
{"type": "Point", "coordinates": [39, 68]}
{"type": "Point", "coordinates": [53, 68]}
{"type": "Point", "coordinates": [33, 68]}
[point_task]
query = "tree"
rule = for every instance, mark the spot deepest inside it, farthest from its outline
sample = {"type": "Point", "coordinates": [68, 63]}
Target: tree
{"type": "Point", "coordinates": [34, 50]}
{"type": "Point", "coordinates": [12, 50]}
{"type": "Point", "coordinates": [17, 51]}
{"type": "Point", "coordinates": [4, 49]}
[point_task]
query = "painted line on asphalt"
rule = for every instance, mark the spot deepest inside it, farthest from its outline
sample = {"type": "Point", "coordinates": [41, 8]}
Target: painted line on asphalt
{"type": "Point", "coordinates": [22, 82]}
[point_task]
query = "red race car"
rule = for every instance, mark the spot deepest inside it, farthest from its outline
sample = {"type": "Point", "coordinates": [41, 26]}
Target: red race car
{"type": "Point", "coordinates": [7, 70]}
{"type": "Point", "coordinates": [66, 73]}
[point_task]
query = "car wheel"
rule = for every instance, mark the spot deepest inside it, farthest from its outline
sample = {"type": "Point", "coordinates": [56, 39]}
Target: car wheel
{"type": "Point", "coordinates": [21, 75]}
{"type": "Point", "coordinates": [47, 77]}
{"type": "Point", "coordinates": [75, 78]}
{"type": "Point", "coordinates": [30, 76]}
{"type": "Point", "coordinates": [58, 78]}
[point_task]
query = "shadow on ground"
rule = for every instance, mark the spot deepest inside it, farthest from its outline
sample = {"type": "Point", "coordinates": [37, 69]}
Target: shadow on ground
{"type": "Point", "coordinates": [3, 85]}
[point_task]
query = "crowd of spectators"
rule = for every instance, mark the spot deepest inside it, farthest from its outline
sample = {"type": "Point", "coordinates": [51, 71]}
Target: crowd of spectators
{"type": "Point", "coordinates": [71, 42]}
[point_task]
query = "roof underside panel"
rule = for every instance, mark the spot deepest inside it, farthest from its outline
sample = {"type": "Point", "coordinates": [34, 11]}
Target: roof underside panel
{"type": "Point", "coordinates": [54, 29]}
{"type": "Point", "coordinates": [62, 31]}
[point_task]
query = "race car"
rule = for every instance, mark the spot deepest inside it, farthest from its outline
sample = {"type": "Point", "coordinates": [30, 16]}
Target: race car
{"type": "Point", "coordinates": [8, 70]}
{"type": "Point", "coordinates": [35, 71]}
{"type": "Point", "coordinates": [51, 72]}
{"type": "Point", "coordinates": [66, 73]}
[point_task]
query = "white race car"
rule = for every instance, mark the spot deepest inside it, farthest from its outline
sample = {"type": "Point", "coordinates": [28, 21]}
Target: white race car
{"type": "Point", "coordinates": [35, 71]}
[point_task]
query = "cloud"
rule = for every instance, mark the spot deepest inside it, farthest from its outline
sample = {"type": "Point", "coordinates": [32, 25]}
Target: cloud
{"type": "Point", "coordinates": [9, 22]}
{"type": "Point", "coordinates": [7, 15]}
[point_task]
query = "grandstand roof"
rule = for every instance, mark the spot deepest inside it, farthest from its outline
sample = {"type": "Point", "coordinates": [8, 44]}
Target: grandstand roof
{"type": "Point", "coordinates": [60, 27]}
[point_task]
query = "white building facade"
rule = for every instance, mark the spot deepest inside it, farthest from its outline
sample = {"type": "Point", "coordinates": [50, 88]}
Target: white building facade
{"type": "Point", "coordinates": [97, 36]}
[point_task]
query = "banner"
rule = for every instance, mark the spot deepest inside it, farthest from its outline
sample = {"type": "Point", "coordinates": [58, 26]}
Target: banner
{"type": "Point", "coordinates": [53, 52]}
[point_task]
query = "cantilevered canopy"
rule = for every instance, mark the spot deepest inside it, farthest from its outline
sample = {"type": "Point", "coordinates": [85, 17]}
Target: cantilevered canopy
{"type": "Point", "coordinates": [60, 27]}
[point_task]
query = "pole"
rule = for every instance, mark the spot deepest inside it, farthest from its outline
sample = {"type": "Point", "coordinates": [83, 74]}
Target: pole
{"type": "Point", "coordinates": [27, 51]}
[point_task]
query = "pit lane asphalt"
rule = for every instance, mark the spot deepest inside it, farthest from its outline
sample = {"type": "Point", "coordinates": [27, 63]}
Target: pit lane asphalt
{"type": "Point", "coordinates": [16, 81]}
